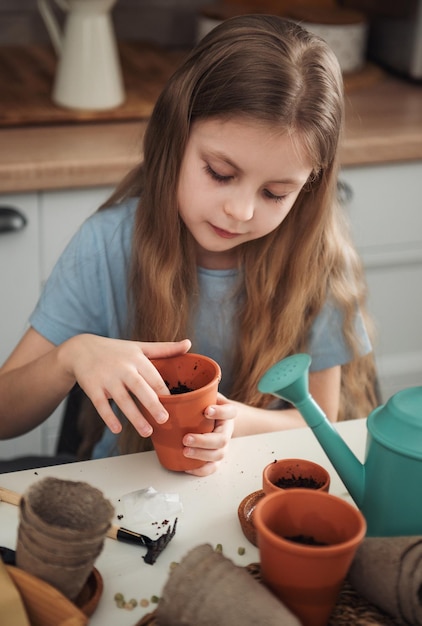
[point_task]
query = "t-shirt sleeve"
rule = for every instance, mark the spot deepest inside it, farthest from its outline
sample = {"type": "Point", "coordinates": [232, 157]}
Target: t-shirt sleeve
{"type": "Point", "coordinates": [86, 291]}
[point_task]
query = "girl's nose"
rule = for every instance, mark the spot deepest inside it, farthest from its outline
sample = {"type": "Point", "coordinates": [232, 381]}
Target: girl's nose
{"type": "Point", "coordinates": [240, 207]}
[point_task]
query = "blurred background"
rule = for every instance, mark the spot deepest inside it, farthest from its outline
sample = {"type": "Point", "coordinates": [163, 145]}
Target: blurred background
{"type": "Point", "coordinates": [60, 158]}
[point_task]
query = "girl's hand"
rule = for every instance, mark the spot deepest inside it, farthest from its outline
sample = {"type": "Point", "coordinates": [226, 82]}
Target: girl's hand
{"type": "Point", "coordinates": [212, 447]}
{"type": "Point", "coordinates": [114, 369]}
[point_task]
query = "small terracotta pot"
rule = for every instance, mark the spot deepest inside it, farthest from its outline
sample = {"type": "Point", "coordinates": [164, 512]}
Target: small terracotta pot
{"type": "Point", "coordinates": [186, 410]}
{"type": "Point", "coordinates": [289, 469]}
{"type": "Point", "coordinates": [307, 578]}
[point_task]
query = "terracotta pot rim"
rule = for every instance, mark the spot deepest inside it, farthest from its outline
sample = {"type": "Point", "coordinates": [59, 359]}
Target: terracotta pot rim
{"type": "Point", "coordinates": [187, 395]}
{"type": "Point", "coordinates": [295, 459]}
{"type": "Point", "coordinates": [297, 548]}
{"type": "Point", "coordinates": [195, 392]}
{"type": "Point", "coordinates": [310, 468]}
{"type": "Point", "coordinates": [187, 355]}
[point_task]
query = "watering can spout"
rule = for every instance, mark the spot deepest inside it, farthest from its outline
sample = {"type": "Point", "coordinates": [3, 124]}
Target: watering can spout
{"type": "Point", "coordinates": [288, 380]}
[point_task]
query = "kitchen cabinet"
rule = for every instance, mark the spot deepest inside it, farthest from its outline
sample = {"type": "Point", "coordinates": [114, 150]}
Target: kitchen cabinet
{"type": "Point", "coordinates": [26, 259]}
{"type": "Point", "coordinates": [19, 288]}
{"type": "Point", "coordinates": [386, 221]}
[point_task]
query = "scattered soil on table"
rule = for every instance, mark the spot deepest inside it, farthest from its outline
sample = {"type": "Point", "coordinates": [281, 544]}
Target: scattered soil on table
{"type": "Point", "coordinates": [297, 482]}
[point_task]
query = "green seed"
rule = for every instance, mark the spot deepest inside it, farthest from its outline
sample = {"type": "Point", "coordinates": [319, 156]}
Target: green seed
{"type": "Point", "coordinates": [133, 602]}
{"type": "Point", "coordinates": [241, 551]}
{"type": "Point", "coordinates": [219, 547]}
{"type": "Point", "coordinates": [118, 597]}
{"type": "Point", "coordinates": [154, 599]}
{"type": "Point", "coordinates": [173, 565]}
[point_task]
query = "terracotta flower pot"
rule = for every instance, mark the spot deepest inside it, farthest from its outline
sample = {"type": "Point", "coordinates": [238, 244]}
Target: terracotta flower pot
{"type": "Point", "coordinates": [306, 572]}
{"type": "Point", "coordinates": [200, 376]}
{"type": "Point", "coordinates": [291, 473]}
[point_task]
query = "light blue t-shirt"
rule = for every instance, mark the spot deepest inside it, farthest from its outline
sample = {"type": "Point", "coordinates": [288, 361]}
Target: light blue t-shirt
{"type": "Point", "coordinates": [87, 293]}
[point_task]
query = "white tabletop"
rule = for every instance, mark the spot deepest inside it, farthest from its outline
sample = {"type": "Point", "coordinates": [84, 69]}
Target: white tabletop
{"type": "Point", "coordinates": [209, 507]}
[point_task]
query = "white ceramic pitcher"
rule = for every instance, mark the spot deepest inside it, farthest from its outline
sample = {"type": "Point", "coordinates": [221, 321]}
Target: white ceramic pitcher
{"type": "Point", "coordinates": [88, 74]}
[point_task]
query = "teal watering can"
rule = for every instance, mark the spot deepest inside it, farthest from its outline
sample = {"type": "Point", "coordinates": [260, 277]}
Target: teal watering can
{"type": "Point", "coordinates": [387, 487]}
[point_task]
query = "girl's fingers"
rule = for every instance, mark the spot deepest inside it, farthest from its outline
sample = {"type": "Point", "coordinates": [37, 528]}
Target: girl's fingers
{"type": "Point", "coordinates": [132, 412]}
{"type": "Point", "coordinates": [148, 373]}
{"type": "Point", "coordinates": [159, 350]}
{"type": "Point", "coordinates": [129, 406]}
{"type": "Point", "coordinates": [210, 447]}
{"type": "Point", "coordinates": [222, 433]}
{"type": "Point", "coordinates": [144, 389]}
{"type": "Point", "coordinates": [106, 413]}
{"type": "Point", "coordinates": [111, 369]}
{"type": "Point", "coordinates": [216, 440]}
{"type": "Point", "coordinates": [224, 411]}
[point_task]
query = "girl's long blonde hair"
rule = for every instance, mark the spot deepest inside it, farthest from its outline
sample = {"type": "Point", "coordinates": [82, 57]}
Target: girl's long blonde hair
{"type": "Point", "coordinates": [267, 69]}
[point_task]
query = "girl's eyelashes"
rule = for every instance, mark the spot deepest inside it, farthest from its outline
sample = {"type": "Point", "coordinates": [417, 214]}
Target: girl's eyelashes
{"type": "Point", "coordinates": [220, 178]}
{"type": "Point", "coordinates": [215, 175]}
{"type": "Point", "coordinates": [273, 197]}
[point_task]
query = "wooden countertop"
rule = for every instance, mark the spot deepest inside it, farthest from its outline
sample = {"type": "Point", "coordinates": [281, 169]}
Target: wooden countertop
{"type": "Point", "coordinates": [383, 124]}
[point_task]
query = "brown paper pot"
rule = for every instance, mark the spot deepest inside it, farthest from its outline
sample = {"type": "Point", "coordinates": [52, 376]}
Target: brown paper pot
{"type": "Point", "coordinates": [67, 579]}
{"type": "Point", "coordinates": [71, 546]}
{"type": "Point", "coordinates": [61, 532]}
{"type": "Point", "coordinates": [206, 589]}
{"type": "Point", "coordinates": [186, 410]}
{"type": "Point", "coordinates": [58, 529]}
{"type": "Point", "coordinates": [307, 578]}
{"type": "Point", "coordinates": [67, 509]}
{"type": "Point", "coordinates": [39, 550]}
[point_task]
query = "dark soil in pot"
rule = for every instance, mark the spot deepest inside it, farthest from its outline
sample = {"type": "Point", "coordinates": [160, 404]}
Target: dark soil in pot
{"type": "Point", "coordinates": [181, 388]}
{"type": "Point", "coordinates": [306, 540]}
{"type": "Point", "coordinates": [294, 482]}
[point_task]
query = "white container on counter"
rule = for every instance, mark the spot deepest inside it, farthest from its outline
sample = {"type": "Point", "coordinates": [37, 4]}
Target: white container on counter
{"type": "Point", "coordinates": [344, 30]}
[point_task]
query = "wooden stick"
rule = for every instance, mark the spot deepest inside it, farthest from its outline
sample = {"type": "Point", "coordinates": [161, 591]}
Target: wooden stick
{"type": "Point", "coordinates": [11, 497]}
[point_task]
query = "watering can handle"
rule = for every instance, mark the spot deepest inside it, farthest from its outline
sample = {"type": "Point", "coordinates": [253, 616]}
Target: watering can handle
{"type": "Point", "coordinates": [51, 22]}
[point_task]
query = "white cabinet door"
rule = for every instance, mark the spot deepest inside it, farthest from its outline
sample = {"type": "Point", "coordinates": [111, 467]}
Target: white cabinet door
{"type": "Point", "coordinates": [19, 289]}
{"type": "Point", "coordinates": [386, 218]}
{"type": "Point", "coordinates": [20, 275]}
{"type": "Point", "coordinates": [62, 212]}
{"type": "Point", "coordinates": [385, 208]}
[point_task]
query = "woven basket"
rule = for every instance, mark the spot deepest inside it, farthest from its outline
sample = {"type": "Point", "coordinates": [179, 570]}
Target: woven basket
{"type": "Point", "coordinates": [350, 609]}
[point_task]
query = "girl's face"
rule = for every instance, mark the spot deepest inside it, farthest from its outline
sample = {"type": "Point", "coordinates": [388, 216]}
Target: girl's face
{"type": "Point", "coordinates": [238, 181]}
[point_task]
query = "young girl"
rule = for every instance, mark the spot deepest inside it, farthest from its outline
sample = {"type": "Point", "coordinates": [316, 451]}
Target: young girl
{"type": "Point", "coordinates": [228, 238]}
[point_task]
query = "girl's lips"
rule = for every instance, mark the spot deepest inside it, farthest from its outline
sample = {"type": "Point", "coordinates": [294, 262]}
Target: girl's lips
{"type": "Point", "coordinates": [225, 234]}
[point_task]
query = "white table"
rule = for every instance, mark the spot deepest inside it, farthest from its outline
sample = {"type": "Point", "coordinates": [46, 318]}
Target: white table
{"type": "Point", "coordinates": [210, 507]}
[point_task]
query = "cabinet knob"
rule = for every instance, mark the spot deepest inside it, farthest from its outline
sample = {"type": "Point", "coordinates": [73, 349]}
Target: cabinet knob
{"type": "Point", "coordinates": [11, 220]}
